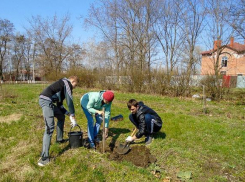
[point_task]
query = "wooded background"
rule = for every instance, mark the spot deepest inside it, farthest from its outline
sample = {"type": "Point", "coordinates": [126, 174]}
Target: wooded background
{"type": "Point", "coordinates": [143, 44]}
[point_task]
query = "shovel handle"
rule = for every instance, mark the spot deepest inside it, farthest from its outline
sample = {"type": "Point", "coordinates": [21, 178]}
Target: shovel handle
{"type": "Point", "coordinates": [134, 132]}
{"type": "Point", "coordinates": [103, 135]}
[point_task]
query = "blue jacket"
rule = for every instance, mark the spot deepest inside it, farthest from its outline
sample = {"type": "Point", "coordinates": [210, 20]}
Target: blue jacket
{"type": "Point", "coordinates": [92, 101]}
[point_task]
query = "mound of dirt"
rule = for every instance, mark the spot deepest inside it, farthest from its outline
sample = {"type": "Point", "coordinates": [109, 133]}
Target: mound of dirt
{"type": "Point", "coordinates": [139, 155]}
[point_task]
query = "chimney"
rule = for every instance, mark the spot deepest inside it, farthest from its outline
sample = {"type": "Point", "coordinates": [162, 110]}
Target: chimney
{"type": "Point", "coordinates": [217, 44]}
{"type": "Point", "coordinates": [232, 42]}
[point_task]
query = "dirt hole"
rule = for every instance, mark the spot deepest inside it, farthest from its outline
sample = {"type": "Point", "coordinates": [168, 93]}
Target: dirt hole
{"type": "Point", "coordinates": [139, 155]}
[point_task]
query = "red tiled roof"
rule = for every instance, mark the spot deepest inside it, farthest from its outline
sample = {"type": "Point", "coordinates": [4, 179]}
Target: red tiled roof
{"type": "Point", "coordinates": [206, 52]}
{"type": "Point", "coordinates": [236, 47]}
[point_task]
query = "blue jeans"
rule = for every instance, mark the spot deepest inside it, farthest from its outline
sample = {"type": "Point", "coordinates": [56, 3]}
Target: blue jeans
{"type": "Point", "coordinates": [149, 122]}
{"type": "Point", "coordinates": [93, 129]}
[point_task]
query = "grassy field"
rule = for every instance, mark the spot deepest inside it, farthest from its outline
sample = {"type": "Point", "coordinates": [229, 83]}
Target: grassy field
{"type": "Point", "coordinates": [210, 146]}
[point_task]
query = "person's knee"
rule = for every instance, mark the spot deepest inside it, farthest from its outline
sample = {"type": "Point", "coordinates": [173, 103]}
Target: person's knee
{"type": "Point", "coordinates": [148, 118]}
{"type": "Point", "coordinates": [98, 118]}
{"type": "Point", "coordinates": [49, 130]}
{"type": "Point", "coordinates": [157, 128]}
{"type": "Point", "coordinates": [49, 124]}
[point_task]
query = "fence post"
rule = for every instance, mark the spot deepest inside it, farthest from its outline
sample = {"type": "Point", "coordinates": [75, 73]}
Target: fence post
{"type": "Point", "coordinates": [204, 100]}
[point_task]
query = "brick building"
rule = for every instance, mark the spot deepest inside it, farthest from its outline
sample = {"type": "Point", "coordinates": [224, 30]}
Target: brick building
{"type": "Point", "coordinates": [231, 61]}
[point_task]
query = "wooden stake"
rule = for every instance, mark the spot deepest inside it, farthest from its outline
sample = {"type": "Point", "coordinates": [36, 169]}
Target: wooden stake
{"type": "Point", "coordinates": [103, 134]}
{"type": "Point", "coordinates": [204, 100]}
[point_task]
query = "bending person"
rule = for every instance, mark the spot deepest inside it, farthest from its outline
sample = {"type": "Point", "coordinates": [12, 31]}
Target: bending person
{"type": "Point", "coordinates": [51, 102]}
{"type": "Point", "coordinates": [92, 104]}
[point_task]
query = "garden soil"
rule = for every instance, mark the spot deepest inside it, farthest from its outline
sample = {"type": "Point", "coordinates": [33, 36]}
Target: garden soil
{"type": "Point", "coordinates": [139, 155]}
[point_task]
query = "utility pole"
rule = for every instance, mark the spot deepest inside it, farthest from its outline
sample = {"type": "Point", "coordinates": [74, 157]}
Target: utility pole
{"type": "Point", "coordinates": [33, 66]}
{"type": "Point", "coordinates": [33, 72]}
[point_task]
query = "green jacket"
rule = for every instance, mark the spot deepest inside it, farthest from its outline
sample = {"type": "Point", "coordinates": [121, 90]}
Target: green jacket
{"type": "Point", "coordinates": [92, 101]}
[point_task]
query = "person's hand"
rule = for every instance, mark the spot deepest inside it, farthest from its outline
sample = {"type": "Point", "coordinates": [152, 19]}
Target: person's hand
{"type": "Point", "coordinates": [73, 121]}
{"type": "Point", "coordinates": [129, 139]}
{"type": "Point", "coordinates": [100, 113]}
{"type": "Point", "coordinates": [106, 132]}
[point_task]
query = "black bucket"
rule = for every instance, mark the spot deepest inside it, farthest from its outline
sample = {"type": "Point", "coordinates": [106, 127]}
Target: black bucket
{"type": "Point", "coordinates": [75, 138]}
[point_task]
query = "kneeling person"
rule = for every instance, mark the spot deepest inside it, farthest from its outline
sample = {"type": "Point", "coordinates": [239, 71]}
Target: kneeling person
{"type": "Point", "coordinates": [145, 119]}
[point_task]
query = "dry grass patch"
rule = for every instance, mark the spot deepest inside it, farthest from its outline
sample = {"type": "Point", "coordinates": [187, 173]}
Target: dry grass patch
{"type": "Point", "coordinates": [12, 163]}
{"type": "Point", "coordinates": [10, 118]}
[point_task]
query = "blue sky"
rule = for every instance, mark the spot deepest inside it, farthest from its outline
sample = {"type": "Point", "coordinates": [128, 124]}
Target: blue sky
{"type": "Point", "coordinates": [19, 11]}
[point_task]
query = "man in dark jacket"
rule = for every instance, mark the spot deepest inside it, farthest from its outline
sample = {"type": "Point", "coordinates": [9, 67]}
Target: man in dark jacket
{"type": "Point", "coordinates": [51, 102]}
{"type": "Point", "coordinates": [145, 119]}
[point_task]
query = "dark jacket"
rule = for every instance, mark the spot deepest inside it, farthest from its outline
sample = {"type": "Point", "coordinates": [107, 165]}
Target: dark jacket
{"type": "Point", "coordinates": [139, 117]}
{"type": "Point", "coordinates": [59, 91]}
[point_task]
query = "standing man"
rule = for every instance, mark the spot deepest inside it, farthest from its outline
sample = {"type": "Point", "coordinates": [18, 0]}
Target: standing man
{"type": "Point", "coordinates": [145, 119]}
{"type": "Point", "coordinates": [51, 101]}
{"type": "Point", "coordinates": [92, 104]}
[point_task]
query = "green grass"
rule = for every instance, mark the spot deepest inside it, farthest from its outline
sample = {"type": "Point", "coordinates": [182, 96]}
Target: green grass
{"type": "Point", "coordinates": [211, 145]}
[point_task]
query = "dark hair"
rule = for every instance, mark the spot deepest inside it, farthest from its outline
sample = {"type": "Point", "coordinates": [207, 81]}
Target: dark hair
{"type": "Point", "coordinates": [132, 102]}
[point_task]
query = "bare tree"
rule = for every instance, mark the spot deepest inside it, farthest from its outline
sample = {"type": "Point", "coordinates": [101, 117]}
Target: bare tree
{"type": "Point", "coordinates": [76, 55]}
{"type": "Point", "coordinates": [18, 55]}
{"type": "Point", "coordinates": [127, 29]}
{"type": "Point", "coordinates": [135, 30]}
{"type": "Point", "coordinates": [169, 34]}
{"type": "Point", "coordinates": [218, 31]}
{"type": "Point", "coordinates": [237, 18]}
{"type": "Point", "coordinates": [51, 36]}
{"type": "Point", "coordinates": [6, 31]}
{"type": "Point", "coordinates": [30, 55]}
{"type": "Point", "coordinates": [193, 17]}
{"type": "Point", "coordinates": [104, 16]}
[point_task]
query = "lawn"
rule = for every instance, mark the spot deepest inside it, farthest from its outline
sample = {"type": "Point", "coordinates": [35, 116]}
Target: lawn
{"type": "Point", "coordinates": [210, 146]}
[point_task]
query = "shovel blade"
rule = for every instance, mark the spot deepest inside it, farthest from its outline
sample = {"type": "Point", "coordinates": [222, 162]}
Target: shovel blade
{"type": "Point", "coordinates": [122, 149]}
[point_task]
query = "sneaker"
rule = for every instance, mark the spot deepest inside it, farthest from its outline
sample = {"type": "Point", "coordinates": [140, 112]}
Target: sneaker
{"type": "Point", "coordinates": [97, 140]}
{"type": "Point", "coordinates": [92, 146]}
{"type": "Point", "coordinates": [148, 139]}
{"type": "Point", "coordinates": [62, 141]}
{"type": "Point", "coordinates": [43, 161]}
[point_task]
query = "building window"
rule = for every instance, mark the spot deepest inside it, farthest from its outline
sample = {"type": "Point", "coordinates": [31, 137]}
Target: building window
{"type": "Point", "coordinates": [224, 61]}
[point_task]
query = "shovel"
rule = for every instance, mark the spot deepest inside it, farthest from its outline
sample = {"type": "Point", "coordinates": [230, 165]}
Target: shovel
{"type": "Point", "coordinates": [123, 149]}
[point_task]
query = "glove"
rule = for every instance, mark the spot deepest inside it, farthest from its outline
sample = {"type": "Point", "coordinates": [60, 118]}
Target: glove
{"type": "Point", "coordinates": [73, 122]}
{"type": "Point", "coordinates": [129, 139]}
